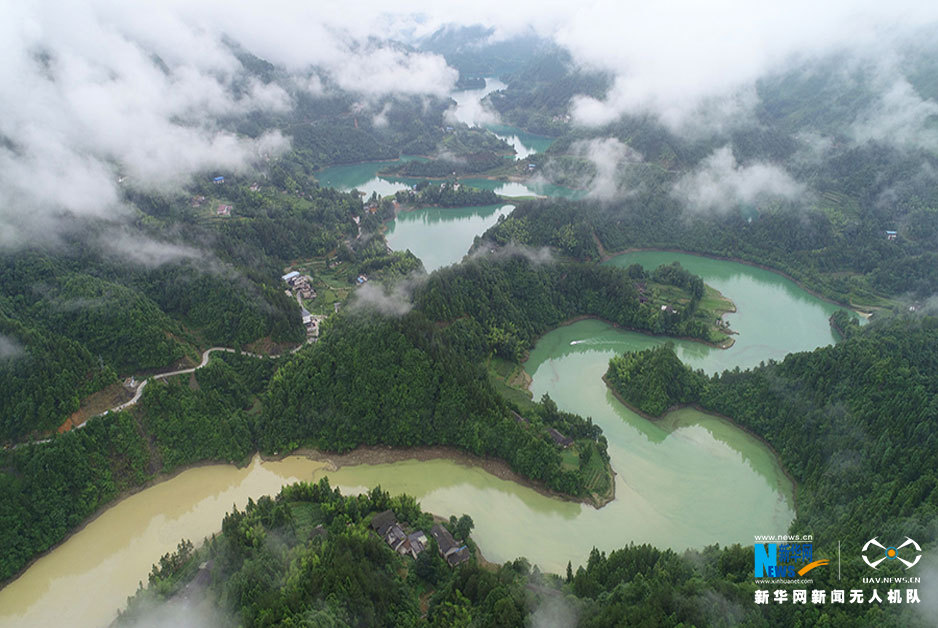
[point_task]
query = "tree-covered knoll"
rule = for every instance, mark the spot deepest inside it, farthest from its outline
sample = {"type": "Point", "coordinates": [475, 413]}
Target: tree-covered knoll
{"type": "Point", "coordinates": [510, 299]}
{"type": "Point", "coordinates": [442, 167]}
{"type": "Point", "coordinates": [653, 380]}
{"type": "Point", "coordinates": [854, 423]}
{"type": "Point", "coordinates": [309, 557]}
{"type": "Point", "coordinates": [446, 194]}
{"type": "Point", "coordinates": [403, 382]}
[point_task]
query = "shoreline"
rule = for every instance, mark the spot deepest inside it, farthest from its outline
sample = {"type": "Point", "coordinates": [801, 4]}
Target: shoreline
{"type": "Point", "coordinates": [716, 415]}
{"type": "Point", "coordinates": [585, 317]}
{"type": "Point", "coordinates": [365, 454]}
{"type": "Point", "coordinates": [380, 454]}
{"type": "Point", "coordinates": [605, 256]}
{"type": "Point", "coordinates": [120, 497]}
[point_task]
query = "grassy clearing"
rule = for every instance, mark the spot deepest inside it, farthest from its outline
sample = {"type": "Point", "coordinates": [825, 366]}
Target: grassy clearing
{"type": "Point", "coordinates": [332, 285]}
{"type": "Point", "coordinates": [510, 381]}
{"type": "Point", "coordinates": [598, 476]}
{"type": "Point", "coordinates": [306, 516]}
{"type": "Point", "coordinates": [709, 310]}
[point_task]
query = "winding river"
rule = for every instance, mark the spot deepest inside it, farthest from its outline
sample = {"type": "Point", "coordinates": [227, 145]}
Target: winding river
{"type": "Point", "coordinates": [686, 481]}
{"type": "Point", "coordinates": [438, 236]}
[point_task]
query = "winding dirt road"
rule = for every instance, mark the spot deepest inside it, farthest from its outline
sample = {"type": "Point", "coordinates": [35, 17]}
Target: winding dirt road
{"type": "Point", "coordinates": [206, 355]}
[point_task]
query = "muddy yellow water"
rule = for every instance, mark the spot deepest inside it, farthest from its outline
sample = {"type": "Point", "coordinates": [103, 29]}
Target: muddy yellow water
{"type": "Point", "coordinates": [85, 580]}
{"type": "Point", "coordinates": [686, 481]}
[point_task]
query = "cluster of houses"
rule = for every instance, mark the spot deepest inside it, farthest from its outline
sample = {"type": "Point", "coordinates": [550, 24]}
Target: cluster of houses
{"type": "Point", "coordinates": [311, 323]}
{"type": "Point", "coordinates": [300, 284]}
{"type": "Point", "coordinates": [386, 526]}
{"type": "Point", "coordinates": [223, 210]}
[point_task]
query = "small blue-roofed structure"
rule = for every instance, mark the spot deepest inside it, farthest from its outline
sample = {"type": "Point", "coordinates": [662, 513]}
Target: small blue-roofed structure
{"type": "Point", "coordinates": [891, 235]}
{"type": "Point", "coordinates": [219, 179]}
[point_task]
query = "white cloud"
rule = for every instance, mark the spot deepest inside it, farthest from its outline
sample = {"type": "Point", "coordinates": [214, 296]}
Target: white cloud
{"type": "Point", "coordinates": [672, 58]}
{"type": "Point", "coordinates": [101, 88]}
{"type": "Point", "coordinates": [389, 301]}
{"type": "Point", "coordinates": [607, 155]}
{"type": "Point", "coordinates": [387, 70]}
{"type": "Point", "coordinates": [720, 183]}
{"type": "Point", "coordinates": [128, 245]}
{"type": "Point", "coordinates": [900, 117]}
{"type": "Point", "coordinates": [9, 348]}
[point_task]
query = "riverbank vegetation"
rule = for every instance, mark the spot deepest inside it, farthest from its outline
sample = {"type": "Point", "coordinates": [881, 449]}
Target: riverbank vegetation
{"type": "Point", "coordinates": [309, 556]}
{"type": "Point", "coordinates": [49, 489]}
{"type": "Point", "coordinates": [843, 419]}
{"type": "Point", "coordinates": [511, 297]}
{"type": "Point", "coordinates": [403, 382]}
{"type": "Point", "coordinates": [802, 245]}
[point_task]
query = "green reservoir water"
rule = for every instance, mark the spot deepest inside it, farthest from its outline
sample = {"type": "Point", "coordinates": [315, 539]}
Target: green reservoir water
{"type": "Point", "coordinates": [365, 178]}
{"type": "Point", "coordinates": [774, 316]}
{"type": "Point", "coordinates": [524, 143]}
{"type": "Point", "coordinates": [440, 237]}
{"type": "Point", "coordinates": [470, 110]}
{"type": "Point", "coordinates": [686, 481]}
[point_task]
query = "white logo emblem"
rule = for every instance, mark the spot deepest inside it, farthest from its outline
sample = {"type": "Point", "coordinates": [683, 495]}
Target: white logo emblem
{"type": "Point", "coordinates": [891, 553]}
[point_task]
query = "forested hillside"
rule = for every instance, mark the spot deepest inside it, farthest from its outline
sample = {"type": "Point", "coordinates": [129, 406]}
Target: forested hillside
{"type": "Point", "coordinates": [48, 489]}
{"type": "Point", "coordinates": [854, 423]}
{"type": "Point", "coordinates": [510, 299]}
{"type": "Point", "coordinates": [405, 383]}
{"type": "Point", "coordinates": [308, 556]}
{"type": "Point", "coordinates": [845, 265]}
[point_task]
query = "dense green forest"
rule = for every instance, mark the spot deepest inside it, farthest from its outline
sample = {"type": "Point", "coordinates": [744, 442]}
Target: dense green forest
{"type": "Point", "coordinates": [403, 382]}
{"type": "Point", "coordinates": [853, 423]}
{"type": "Point", "coordinates": [653, 380]}
{"type": "Point", "coordinates": [48, 489]}
{"type": "Point", "coordinates": [308, 557]}
{"type": "Point", "coordinates": [42, 376]}
{"type": "Point", "coordinates": [854, 266]}
{"type": "Point", "coordinates": [510, 299]}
